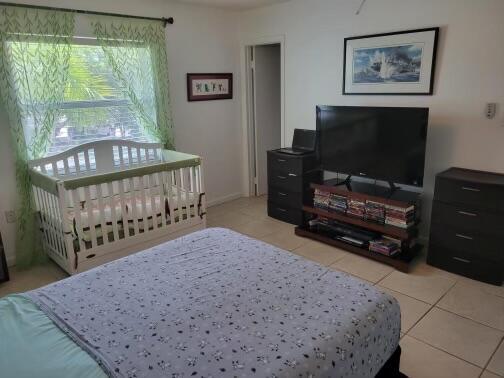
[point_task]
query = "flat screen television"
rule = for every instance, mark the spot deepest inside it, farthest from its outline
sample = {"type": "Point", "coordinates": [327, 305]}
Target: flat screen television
{"type": "Point", "coordinates": [381, 143]}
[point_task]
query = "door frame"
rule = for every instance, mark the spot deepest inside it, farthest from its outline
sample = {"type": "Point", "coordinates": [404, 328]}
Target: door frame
{"type": "Point", "coordinates": [248, 107]}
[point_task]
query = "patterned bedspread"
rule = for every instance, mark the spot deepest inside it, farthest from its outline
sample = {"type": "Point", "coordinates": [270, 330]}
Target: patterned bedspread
{"type": "Point", "coordinates": [219, 304]}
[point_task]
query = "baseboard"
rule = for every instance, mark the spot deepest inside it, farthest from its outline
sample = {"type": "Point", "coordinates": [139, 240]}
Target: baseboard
{"type": "Point", "coordinates": [221, 200]}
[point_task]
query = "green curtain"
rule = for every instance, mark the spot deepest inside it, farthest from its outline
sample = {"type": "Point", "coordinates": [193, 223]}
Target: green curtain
{"type": "Point", "coordinates": [35, 48]}
{"type": "Point", "coordinates": [136, 51]}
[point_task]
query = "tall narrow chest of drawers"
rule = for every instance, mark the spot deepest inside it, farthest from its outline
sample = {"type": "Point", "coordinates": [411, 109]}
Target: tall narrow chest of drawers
{"type": "Point", "coordinates": [467, 224]}
{"type": "Point", "coordinates": [289, 179]}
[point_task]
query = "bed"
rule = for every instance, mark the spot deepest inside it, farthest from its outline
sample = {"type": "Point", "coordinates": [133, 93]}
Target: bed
{"type": "Point", "coordinates": [213, 303]}
{"type": "Point", "coordinates": [106, 199]}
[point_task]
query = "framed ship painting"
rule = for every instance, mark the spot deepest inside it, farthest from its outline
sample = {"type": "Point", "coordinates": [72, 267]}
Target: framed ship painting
{"type": "Point", "coordinates": [205, 87]}
{"type": "Point", "coordinates": [399, 63]}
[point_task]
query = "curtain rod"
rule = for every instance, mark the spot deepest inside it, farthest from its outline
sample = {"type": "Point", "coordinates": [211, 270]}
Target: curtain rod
{"type": "Point", "coordinates": [164, 20]}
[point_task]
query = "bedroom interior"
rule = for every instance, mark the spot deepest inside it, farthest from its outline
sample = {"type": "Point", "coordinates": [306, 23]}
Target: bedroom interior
{"type": "Point", "coordinates": [251, 188]}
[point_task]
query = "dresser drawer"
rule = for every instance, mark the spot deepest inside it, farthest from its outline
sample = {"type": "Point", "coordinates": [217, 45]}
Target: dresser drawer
{"type": "Point", "coordinates": [478, 246]}
{"type": "Point", "coordinates": [480, 196]}
{"type": "Point", "coordinates": [285, 197]}
{"type": "Point", "coordinates": [285, 213]}
{"type": "Point", "coordinates": [465, 217]}
{"type": "Point", "coordinates": [290, 182]}
{"type": "Point", "coordinates": [284, 163]}
{"type": "Point", "coordinates": [465, 264]}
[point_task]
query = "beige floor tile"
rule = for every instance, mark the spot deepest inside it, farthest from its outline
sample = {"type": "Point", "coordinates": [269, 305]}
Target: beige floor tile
{"type": "Point", "coordinates": [487, 288]}
{"type": "Point", "coordinates": [322, 253]}
{"type": "Point", "coordinates": [487, 374]}
{"type": "Point", "coordinates": [235, 205]}
{"type": "Point", "coordinates": [259, 228]}
{"type": "Point", "coordinates": [362, 267]}
{"type": "Point", "coordinates": [464, 338]}
{"type": "Point", "coordinates": [473, 302]}
{"type": "Point", "coordinates": [412, 309]}
{"type": "Point", "coordinates": [285, 240]}
{"type": "Point", "coordinates": [425, 283]}
{"type": "Point", "coordinates": [228, 219]}
{"type": "Point", "coordinates": [29, 279]}
{"type": "Point", "coordinates": [257, 210]}
{"type": "Point", "coordinates": [496, 364]}
{"type": "Point", "coordinates": [419, 360]}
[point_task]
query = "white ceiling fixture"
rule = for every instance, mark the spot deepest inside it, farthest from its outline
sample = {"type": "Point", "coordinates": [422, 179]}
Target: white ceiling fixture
{"type": "Point", "coordinates": [234, 4]}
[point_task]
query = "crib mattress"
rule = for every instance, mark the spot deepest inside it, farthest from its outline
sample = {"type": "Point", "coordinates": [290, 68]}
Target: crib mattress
{"type": "Point", "coordinates": [135, 208]}
{"type": "Point", "coordinates": [217, 303]}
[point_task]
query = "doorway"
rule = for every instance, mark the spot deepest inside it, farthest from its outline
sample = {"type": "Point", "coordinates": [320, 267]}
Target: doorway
{"type": "Point", "coordinates": [264, 110]}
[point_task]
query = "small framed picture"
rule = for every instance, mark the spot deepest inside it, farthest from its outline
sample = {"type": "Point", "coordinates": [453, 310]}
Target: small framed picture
{"type": "Point", "coordinates": [399, 63]}
{"type": "Point", "coordinates": [209, 86]}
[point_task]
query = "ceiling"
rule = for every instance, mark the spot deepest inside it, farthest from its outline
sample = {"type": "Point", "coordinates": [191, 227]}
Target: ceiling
{"type": "Point", "coordinates": [234, 4]}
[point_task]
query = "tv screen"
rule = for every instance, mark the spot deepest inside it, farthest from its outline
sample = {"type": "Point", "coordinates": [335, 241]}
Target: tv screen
{"type": "Point", "coordinates": [381, 143]}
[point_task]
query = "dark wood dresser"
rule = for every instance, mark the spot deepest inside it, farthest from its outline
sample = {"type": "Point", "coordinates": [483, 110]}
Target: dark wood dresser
{"type": "Point", "coordinates": [467, 224]}
{"type": "Point", "coordinates": [289, 179]}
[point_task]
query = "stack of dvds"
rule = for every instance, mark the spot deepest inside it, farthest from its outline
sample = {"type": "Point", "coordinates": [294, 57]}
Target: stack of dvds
{"type": "Point", "coordinates": [321, 199]}
{"type": "Point", "coordinates": [400, 216]}
{"type": "Point", "coordinates": [338, 203]}
{"type": "Point", "coordinates": [375, 212]}
{"type": "Point", "coordinates": [385, 246]}
{"type": "Point", "coordinates": [356, 208]}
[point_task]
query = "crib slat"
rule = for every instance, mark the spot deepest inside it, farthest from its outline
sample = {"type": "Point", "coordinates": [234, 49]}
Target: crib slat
{"type": "Point", "coordinates": [178, 188]}
{"type": "Point", "coordinates": [144, 204]}
{"type": "Point", "coordinates": [49, 220]}
{"type": "Point", "coordinates": [78, 219]}
{"type": "Point", "coordinates": [101, 209]}
{"type": "Point", "coordinates": [187, 190]}
{"type": "Point", "coordinates": [130, 157]}
{"type": "Point", "coordinates": [60, 246]}
{"type": "Point", "coordinates": [77, 163]}
{"type": "Point", "coordinates": [168, 184]}
{"type": "Point", "coordinates": [43, 215]}
{"type": "Point", "coordinates": [113, 214]}
{"type": "Point", "coordinates": [65, 166]}
{"type": "Point", "coordinates": [60, 222]}
{"type": "Point", "coordinates": [151, 180]}
{"type": "Point", "coordinates": [87, 163]}
{"type": "Point", "coordinates": [162, 198]}
{"type": "Point", "coordinates": [122, 199]}
{"type": "Point", "coordinates": [90, 213]}
{"type": "Point", "coordinates": [194, 192]}
{"type": "Point", "coordinates": [54, 166]}
{"type": "Point", "coordinates": [134, 204]}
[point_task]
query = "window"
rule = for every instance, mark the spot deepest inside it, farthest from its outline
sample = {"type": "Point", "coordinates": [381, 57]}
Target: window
{"type": "Point", "coordinates": [95, 106]}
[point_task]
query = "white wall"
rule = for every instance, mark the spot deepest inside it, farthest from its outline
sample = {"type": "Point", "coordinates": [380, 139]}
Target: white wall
{"type": "Point", "coordinates": [468, 74]}
{"type": "Point", "coordinates": [201, 40]}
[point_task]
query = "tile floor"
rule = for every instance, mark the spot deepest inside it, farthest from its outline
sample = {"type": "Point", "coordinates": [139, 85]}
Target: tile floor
{"type": "Point", "coordinates": [451, 326]}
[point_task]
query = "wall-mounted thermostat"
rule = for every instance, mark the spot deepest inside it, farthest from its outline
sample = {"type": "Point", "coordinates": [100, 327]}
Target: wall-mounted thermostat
{"type": "Point", "coordinates": [490, 110]}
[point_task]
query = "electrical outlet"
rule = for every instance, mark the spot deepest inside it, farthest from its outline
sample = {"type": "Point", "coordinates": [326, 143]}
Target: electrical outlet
{"type": "Point", "coordinates": [10, 216]}
{"type": "Point", "coordinates": [490, 110]}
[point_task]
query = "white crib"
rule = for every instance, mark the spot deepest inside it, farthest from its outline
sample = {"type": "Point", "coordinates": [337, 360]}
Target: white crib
{"type": "Point", "coordinates": [104, 200]}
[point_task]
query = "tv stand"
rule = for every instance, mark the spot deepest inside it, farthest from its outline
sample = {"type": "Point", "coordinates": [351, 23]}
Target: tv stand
{"type": "Point", "coordinates": [394, 196]}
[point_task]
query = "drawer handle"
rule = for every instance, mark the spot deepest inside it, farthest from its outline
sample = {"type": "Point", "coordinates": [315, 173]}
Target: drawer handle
{"type": "Point", "coordinates": [467, 213]}
{"type": "Point", "coordinates": [292, 175]}
{"type": "Point", "coordinates": [282, 177]}
{"type": "Point", "coordinates": [281, 160]}
{"type": "Point", "coordinates": [282, 210]}
{"type": "Point", "coordinates": [470, 189]}
{"type": "Point", "coordinates": [464, 237]}
{"type": "Point", "coordinates": [461, 260]}
{"type": "Point", "coordinates": [282, 194]}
